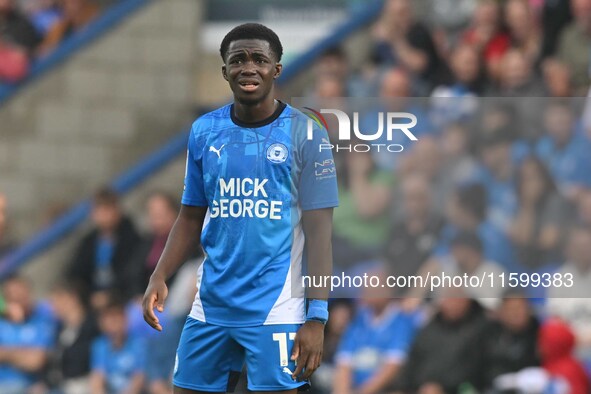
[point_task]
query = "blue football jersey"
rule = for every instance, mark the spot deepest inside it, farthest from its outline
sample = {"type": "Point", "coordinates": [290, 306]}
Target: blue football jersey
{"type": "Point", "coordinates": [255, 179]}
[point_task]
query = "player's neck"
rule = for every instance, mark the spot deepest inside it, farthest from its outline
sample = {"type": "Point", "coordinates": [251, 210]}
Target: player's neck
{"type": "Point", "coordinates": [256, 112]}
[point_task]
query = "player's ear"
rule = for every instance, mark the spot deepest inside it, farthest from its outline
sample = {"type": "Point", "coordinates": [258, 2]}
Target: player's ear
{"type": "Point", "coordinates": [278, 69]}
{"type": "Point", "coordinates": [224, 74]}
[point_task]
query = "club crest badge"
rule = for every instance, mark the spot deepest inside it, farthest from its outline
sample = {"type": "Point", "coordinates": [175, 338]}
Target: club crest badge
{"type": "Point", "coordinates": [277, 153]}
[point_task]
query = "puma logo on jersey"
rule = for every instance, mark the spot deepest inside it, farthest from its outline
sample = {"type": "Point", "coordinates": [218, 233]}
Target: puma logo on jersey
{"type": "Point", "coordinates": [216, 151]}
{"type": "Point", "coordinates": [287, 371]}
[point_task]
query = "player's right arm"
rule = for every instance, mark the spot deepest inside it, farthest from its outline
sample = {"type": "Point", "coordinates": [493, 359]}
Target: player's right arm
{"type": "Point", "coordinates": [181, 241]}
{"type": "Point", "coordinates": [185, 232]}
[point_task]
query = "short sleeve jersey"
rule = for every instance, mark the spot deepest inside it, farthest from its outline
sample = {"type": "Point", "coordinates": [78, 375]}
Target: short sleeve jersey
{"type": "Point", "coordinates": [255, 179]}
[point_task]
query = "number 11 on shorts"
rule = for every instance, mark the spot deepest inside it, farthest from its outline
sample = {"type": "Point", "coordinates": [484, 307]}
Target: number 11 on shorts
{"type": "Point", "coordinates": [281, 337]}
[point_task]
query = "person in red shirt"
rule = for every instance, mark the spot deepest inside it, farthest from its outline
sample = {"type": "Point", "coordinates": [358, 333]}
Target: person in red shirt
{"type": "Point", "coordinates": [486, 35]}
{"type": "Point", "coordinates": [556, 343]}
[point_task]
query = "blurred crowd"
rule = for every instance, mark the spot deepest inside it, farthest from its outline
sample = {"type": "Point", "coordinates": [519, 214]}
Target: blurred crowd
{"type": "Point", "coordinates": [498, 181]}
{"type": "Point", "coordinates": [88, 334]}
{"type": "Point", "coordinates": [32, 29]}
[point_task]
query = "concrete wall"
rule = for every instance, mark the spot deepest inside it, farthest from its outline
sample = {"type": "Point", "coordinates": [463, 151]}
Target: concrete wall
{"type": "Point", "coordinates": [84, 122]}
{"type": "Point", "coordinates": [87, 120]}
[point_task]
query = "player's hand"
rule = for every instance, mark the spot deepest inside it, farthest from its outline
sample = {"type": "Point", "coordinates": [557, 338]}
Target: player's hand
{"type": "Point", "coordinates": [307, 349]}
{"type": "Point", "coordinates": [154, 297]}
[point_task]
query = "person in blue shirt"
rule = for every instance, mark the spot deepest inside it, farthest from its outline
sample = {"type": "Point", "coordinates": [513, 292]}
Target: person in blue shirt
{"type": "Point", "coordinates": [565, 152]}
{"type": "Point", "coordinates": [103, 260]}
{"type": "Point", "coordinates": [467, 212]}
{"type": "Point", "coordinates": [117, 358]}
{"type": "Point", "coordinates": [457, 101]}
{"type": "Point", "coordinates": [24, 340]}
{"type": "Point", "coordinates": [395, 96]}
{"type": "Point", "coordinates": [375, 344]}
{"type": "Point", "coordinates": [498, 177]}
{"type": "Point", "coordinates": [258, 188]}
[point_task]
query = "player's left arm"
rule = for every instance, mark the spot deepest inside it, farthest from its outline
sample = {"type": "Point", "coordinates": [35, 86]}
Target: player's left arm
{"type": "Point", "coordinates": [309, 340]}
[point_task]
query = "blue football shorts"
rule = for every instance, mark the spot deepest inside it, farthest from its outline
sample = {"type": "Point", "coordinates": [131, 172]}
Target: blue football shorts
{"type": "Point", "coordinates": [210, 358]}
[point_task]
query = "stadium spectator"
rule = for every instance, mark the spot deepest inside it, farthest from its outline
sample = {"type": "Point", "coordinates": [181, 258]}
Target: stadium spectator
{"type": "Point", "coordinates": [5, 243]}
{"type": "Point", "coordinates": [466, 211]}
{"type": "Point", "coordinates": [511, 343]}
{"type": "Point", "coordinates": [449, 15]}
{"type": "Point", "coordinates": [102, 260]}
{"type": "Point", "coordinates": [427, 158]}
{"type": "Point", "coordinates": [69, 366]}
{"type": "Point", "coordinates": [42, 13]}
{"type": "Point", "coordinates": [118, 359]}
{"type": "Point", "coordinates": [24, 344]}
{"type": "Point", "coordinates": [458, 164]}
{"type": "Point", "coordinates": [77, 14]}
{"type": "Point", "coordinates": [341, 312]}
{"type": "Point", "coordinates": [495, 115]}
{"type": "Point", "coordinates": [332, 63]}
{"type": "Point", "coordinates": [517, 77]}
{"type": "Point", "coordinates": [556, 343]}
{"type": "Point", "coordinates": [456, 101]}
{"type": "Point", "coordinates": [466, 258]}
{"type": "Point", "coordinates": [523, 28]}
{"type": "Point", "coordinates": [18, 39]}
{"type": "Point", "coordinates": [360, 224]}
{"type": "Point", "coordinates": [555, 16]}
{"type": "Point", "coordinates": [571, 304]}
{"type": "Point", "coordinates": [329, 86]}
{"type": "Point", "coordinates": [161, 212]}
{"type": "Point", "coordinates": [414, 236]}
{"type": "Point", "coordinates": [486, 35]}
{"type": "Point", "coordinates": [497, 174]}
{"type": "Point", "coordinates": [574, 43]}
{"type": "Point", "coordinates": [334, 66]}
{"type": "Point", "coordinates": [374, 345]}
{"type": "Point", "coordinates": [444, 161]}
{"type": "Point", "coordinates": [402, 41]}
{"type": "Point", "coordinates": [453, 337]}
{"type": "Point", "coordinates": [466, 83]}
{"type": "Point", "coordinates": [15, 28]}
{"type": "Point", "coordinates": [557, 78]}
{"type": "Point", "coordinates": [395, 92]}
{"type": "Point", "coordinates": [563, 151]}
{"type": "Point", "coordinates": [395, 84]}
{"type": "Point", "coordinates": [538, 227]}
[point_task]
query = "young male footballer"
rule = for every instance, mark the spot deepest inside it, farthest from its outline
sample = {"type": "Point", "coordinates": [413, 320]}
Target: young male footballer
{"type": "Point", "coordinates": [262, 210]}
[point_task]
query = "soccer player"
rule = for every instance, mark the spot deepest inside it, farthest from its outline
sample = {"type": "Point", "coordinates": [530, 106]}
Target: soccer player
{"type": "Point", "coordinates": [254, 197]}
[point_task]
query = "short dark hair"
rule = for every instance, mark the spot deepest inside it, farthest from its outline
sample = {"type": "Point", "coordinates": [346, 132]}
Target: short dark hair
{"type": "Point", "coordinates": [469, 239]}
{"type": "Point", "coordinates": [335, 51]}
{"type": "Point", "coordinates": [106, 196]}
{"type": "Point", "coordinates": [115, 303]}
{"type": "Point", "coordinates": [472, 197]}
{"type": "Point", "coordinates": [252, 31]}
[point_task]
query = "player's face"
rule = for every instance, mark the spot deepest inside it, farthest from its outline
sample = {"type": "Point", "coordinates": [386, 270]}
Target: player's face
{"type": "Point", "coordinates": [250, 69]}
